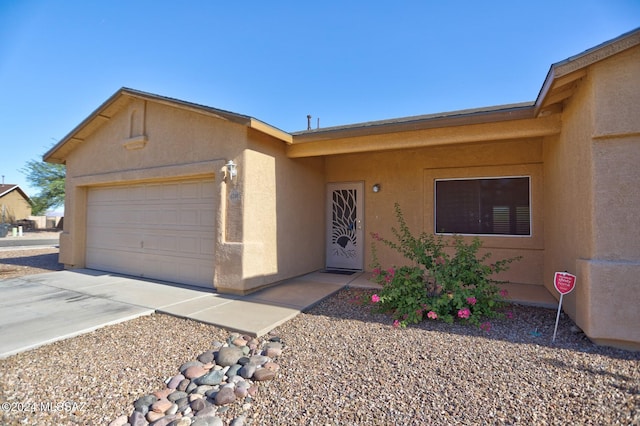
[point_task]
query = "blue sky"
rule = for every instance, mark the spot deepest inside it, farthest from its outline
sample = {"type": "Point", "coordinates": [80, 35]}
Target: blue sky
{"type": "Point", "coordinates": [341, 61]}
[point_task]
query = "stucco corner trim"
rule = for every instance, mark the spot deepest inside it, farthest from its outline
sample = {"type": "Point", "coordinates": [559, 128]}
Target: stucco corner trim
{"type": "Point", "coordinates": [137, 142]}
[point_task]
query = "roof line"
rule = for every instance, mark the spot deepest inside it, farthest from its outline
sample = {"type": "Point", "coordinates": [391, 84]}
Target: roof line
{"type": "Point", "coordinates": [517, 111]}
{"type": "Point", "coordinates": [584, 59]}
{"type": "Point", "coordinates": [14, 188]}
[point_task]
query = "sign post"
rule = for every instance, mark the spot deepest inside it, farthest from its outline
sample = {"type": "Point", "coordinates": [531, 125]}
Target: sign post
{"type": "Point", "coordinates": [564, 283]}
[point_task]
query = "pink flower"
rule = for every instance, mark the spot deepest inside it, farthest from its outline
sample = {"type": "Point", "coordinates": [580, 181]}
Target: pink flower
{"type": "Point", "coordinates": [375, 298]}
{"type": "Point", "coordinates": [391, 272]}
{"type": "Point", "coordinates": [471, 300]}
{"type": "Point", "coordinates": [375, 236]}
{"type": "Point", "coordinates": [432, 315]}
{"type": "Point", "coordinates": [376, 271]}
{"type": "Point", "coordinates": [504, 293]}
{"type": "Point", "coordinates": [396, 324]}
{"type": "Point", "coordinates": [485, 326]}
{"type": "Point", "coordinates": [464, 313]}
{"type": "Point", "coordinates": [508, 314]}
{"type": "Point", "coordinates": [439, 260]}
{"type": "Point", "coordinates": [388, 279]}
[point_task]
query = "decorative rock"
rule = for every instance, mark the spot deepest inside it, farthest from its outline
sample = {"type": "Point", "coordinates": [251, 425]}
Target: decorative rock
{"type": "Point", "coordinates": [195, 396]}
{"type": "Point", "coordinates": [152, 416]}
{"type": "Point", "coordinates": [228, 355]}
{"type": "Point", "coordinates": [161, 406]}
{"type": "Point", "coordinates": [205, 388]}
{"type": "Point", "coordinates": [175, 381]}
{"type": "Point", "coordinates": [186, 365]}
{"type": "Point", "coordinates": [119, 421]}
{"type": "Point", "coordinates": [182, 402]}
{"type": "Point", "coordinates": [263, 374]}
{"type": "Point", "coordinates": [182, 386]}
{"type": "Point", "coordinates": [207, 421]}
{"type": "Point", "coordinates": [163, 393]}
{"type": "Point", "coordinates": [184, 421]}
{"type": "Point", "coordinates": [209, 411]}
{"type": "Point", "coordinates": [142, 404]}
{"type": "Point", "coordinates": [164, 421]}
{"type": "Point", "coordinates": [202, 389]}
{"type": "Point", "coordinates": [173, 397]}
{"type": "Point", "coordinates": [225, 396]}
{"type": "Point", "coordinates": [190, 387]}
{"type": "Point", "coordinates": [247, 370]}
{"type": "Point", "coordinates": [195, 371]}
{"type": "Point", "coordinates": [240, 342]}
{"type": "Point", "coordinates": [241, 392]}
{"type": "Point", "coordinates": [259, 359]}
{"type": "Point", "coordinates": [253, 390]}
{"type": "Point", "coordinates": [137, 419]}
{"type": "Point", "coordinates": [206, 357]}
{"type": "Point", "coordinates": [200, 404]}
{"type": "Point", "coordinates": [233, 370]}
{"type": "Point", "coordinates": [273, 352]}
{"type": "Point", "coordinates": [272, 366]}
{"type": "Point", "coordinates": [173, 409]}
{"type": "Point", "coordinates": [212, 393]}
{"type": "Point", "coordinates": [212, 378]}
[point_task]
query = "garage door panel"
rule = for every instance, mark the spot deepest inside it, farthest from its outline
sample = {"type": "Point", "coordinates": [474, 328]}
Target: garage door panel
{"type": "Point", "coordinates": [164, 231]}
{"type": "Point", "coordinates": [114, 239]}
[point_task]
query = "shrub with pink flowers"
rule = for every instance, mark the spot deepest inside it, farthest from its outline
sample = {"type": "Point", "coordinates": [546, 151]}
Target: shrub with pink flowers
{"type": "Point", "coordinates": [437, 286]}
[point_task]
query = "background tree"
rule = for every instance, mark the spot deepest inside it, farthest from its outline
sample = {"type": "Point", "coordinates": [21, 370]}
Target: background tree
{"type": "Point", "coordinates": [49, 178]}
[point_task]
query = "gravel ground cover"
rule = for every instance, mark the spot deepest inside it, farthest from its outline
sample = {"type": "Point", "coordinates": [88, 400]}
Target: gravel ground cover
{"type": "Point", "coordinates": [343, 365]}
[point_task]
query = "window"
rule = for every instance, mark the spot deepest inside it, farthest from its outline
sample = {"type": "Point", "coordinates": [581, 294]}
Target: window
{"type": "Point", "coordinates": [486, 206]}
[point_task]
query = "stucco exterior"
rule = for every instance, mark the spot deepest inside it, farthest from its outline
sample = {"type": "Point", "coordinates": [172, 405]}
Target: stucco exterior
{"type": "Point", "coordinates": [578, 144]}
{"type": "Point", "coordinates": [14, 204]}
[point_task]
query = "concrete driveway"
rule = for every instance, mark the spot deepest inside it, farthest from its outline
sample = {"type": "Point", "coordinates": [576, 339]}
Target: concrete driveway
{"type": "Point", "coordinates": [39, 309]}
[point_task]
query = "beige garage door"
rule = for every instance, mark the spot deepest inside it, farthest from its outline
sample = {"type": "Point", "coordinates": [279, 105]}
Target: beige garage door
{"type": "Point", "coordinates": [163, 231]}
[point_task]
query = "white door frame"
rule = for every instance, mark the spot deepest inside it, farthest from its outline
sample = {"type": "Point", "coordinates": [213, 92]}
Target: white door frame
{"type": "Point", "coordinates": [345, 226]}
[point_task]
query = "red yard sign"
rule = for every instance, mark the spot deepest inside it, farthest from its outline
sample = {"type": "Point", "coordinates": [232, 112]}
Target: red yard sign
{"type": "Point", "coordinates": [564, 282]}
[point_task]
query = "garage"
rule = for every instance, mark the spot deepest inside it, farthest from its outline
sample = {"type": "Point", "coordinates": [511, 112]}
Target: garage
{"type": "Point", "coordinates": [159, 230]}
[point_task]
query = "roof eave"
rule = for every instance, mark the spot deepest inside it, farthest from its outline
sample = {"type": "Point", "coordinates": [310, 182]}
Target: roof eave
{"type": "Point", "coordinates": [450, 119]}
{"type": "Point", "coordinates": [98, 114]}
{"type": "Point", "coordinates": [573, 68]}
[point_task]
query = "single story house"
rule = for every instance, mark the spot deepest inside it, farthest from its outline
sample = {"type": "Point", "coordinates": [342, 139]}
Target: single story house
{"type": "Point", "coordinates": [14, 204]}
{"type": "Point", "coordinates": [162, 188]}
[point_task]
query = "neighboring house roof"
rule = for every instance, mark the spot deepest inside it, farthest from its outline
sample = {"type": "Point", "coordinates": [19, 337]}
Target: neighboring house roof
{"type": "Point", "coordinates": [111, 106]}
{"type": "Point", "coordinates": [5, 189]}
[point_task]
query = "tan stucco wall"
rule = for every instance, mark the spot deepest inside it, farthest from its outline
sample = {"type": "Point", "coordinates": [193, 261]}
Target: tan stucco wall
{"type": "Point", "coordinates": [14, 207]}
{"type": "Point", "coordinates": [282, 215]}
{"type": "Point", "coordinates": [147, 141]}
{"type": "Point", "coordinates": [592, 230]}
{"type": "Point", "coordinates": [408, 176]}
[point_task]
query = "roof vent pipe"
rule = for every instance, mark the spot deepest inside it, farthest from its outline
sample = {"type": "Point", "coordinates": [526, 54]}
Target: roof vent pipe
{"type": "Point", "coordinates": [309, 122]}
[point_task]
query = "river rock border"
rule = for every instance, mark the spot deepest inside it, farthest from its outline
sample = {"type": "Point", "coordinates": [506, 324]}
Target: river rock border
{"type": "Point", "coordinates": [226, 374]}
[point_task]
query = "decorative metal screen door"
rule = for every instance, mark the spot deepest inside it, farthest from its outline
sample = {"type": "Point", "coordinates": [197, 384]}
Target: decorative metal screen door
{"type": "Point", "coordinates": [344, 226]}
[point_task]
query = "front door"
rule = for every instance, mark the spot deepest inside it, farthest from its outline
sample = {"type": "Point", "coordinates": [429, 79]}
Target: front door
{"type": "Point", "coordinates": [344, 226]}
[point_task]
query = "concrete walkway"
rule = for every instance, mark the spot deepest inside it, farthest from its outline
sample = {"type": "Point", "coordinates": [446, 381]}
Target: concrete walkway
{"type": "Point", "coordinates": [39, 309]}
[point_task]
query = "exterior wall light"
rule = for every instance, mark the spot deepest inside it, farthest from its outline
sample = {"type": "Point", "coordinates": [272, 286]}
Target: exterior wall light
{"type": "Point", "coordinates": [232, 170]}
{"type": "Point", "coordinates": [376, 187]}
